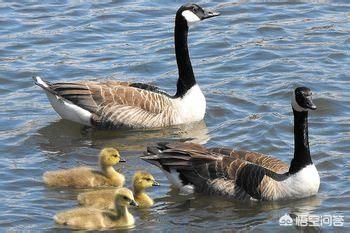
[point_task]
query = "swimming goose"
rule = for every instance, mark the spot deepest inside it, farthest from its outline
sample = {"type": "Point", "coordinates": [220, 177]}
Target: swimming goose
{"type": "Point", "coordinates": [243, 174]}
{"type": "Point", "coordinates": [85, 177]}
{"type": "Point", "coordinates": [115, 104]}
{"type": "Point", "coordinates": [95, 219]}
{"type": "Point", "coordinates": [103, 199]}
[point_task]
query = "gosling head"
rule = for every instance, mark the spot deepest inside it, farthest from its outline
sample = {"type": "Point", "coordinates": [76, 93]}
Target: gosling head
{"type": "Point", "coordinates": [192, 13]}
{"type": "Point", "coordinates": [302, 100]}
{"type": "Point", "coordinates": [109, 157]}
{"type": "Point", "coordinates": [124, 197]}
{"type": "Point", "coordinates": [143, 180]}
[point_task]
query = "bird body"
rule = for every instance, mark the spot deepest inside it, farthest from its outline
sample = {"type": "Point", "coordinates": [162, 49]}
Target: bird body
{"type": "Point", "coordinates": [103, 199]}
{"type": "Point", "coordinates": [242, 174]}
{"type": "Point", "coordinates": [96, 219]}
{"type": "Point", "coordinates": [114, 104]}
{"type": "Point", "coordinates": [86, 177]}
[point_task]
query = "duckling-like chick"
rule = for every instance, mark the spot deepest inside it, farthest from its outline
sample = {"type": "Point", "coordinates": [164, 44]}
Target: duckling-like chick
{"type": "Point", "coordinates": [103, 199]}
{"type": "Point", "coordinates": [142, 181]}
{"type": "Point", "coordinates": [85, 177]}
{"type": "Point", "coordinates": [95, 219]}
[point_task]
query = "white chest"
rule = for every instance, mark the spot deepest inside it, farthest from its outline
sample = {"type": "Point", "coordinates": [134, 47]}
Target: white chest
{"type": "Point", "coordinates": [191, 107]}
{"type": "Point", "coordinates": [304, 183]}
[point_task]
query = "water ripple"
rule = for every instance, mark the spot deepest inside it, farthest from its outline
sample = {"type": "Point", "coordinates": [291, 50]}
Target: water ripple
{"type": "Point", "coordinates": [247, 61]}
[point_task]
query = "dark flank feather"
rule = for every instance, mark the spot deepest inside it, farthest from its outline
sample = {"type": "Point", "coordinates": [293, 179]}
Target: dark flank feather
{"type": "Point", "coordinates": [209, 170]}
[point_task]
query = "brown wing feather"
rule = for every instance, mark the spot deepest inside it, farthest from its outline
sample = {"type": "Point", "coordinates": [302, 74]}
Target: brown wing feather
{"type": "Point", "coordinates": [265, 161]}
{"type": "Point", "coordinates": [117, 103]}
{"type": "Point", "coordinates": [208, 170]}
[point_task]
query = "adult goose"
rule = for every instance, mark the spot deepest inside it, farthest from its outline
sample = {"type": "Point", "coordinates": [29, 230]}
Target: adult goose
{"type": "Point", "coordinates": [114, 104]}
{"type": "Point", "coordinates": [243, 174]}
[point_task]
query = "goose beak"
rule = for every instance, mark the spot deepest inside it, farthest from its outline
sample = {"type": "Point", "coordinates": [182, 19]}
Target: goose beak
{"type": "Point", "coordinates": [134, 203]}
{"type": "Point", "coordinates": [155, 183]}
{"type": "Point", "coordinates": [210, 14]}
{"type": "Point", "coordinates": [310, 104]}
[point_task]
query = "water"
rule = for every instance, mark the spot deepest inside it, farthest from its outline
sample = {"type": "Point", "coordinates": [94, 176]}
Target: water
{"type": "Point", "coordinates": [247, 61]}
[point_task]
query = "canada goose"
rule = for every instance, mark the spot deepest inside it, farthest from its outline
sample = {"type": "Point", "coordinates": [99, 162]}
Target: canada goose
{"type": "Point", "coordinates": [243, 174]}
{"type": "Point", "coordinates": [103, 199]}
{"type": "Point", "coordinates": [85, 177]}
{"type": "Point", "coordinates": [92, 219]}
{"type": "Point", "coordinates": [115, 104]}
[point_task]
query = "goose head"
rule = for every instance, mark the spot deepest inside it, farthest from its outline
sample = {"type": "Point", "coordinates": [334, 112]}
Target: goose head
{"type": "Point", "coordinates": [109, 157]}
{"type": "Point", "coordinates": [193, 13]}
{"type": "Point", "coordinates": [124, 197]}
{"type": "Point", "coordinates": [143, 180]}
{"type": "Point", "coordinates": [302, 100]}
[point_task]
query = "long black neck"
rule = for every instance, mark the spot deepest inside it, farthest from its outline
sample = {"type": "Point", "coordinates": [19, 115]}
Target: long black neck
{"type": "Point", "coordinates": [302, 156]}
{"type": "Point", "coordinates": [186, 77]}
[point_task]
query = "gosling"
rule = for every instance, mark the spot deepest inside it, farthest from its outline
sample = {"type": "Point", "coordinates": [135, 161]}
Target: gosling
{"type": "Point", "coordinates": [95, 219]}
{"type": "Point", "coordinates": [85, 177]}
{"type": "Point", "coordinates": [103, 199]}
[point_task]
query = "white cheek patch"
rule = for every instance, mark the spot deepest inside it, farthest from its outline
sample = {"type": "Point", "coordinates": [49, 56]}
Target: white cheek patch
{"type": "Point", "coordinates": [190, 17]}
{"type": "Point", "coordinates": [296, 106]}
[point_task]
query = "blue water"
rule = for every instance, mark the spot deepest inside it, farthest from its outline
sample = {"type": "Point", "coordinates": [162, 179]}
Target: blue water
{"type": "Point", "coordinates": [247, 62]}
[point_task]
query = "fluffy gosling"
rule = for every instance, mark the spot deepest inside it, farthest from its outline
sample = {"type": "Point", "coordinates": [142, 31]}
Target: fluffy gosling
{"type": "Point", "coordinates": [85, 177]}
{"type": "Point", "coordinates": [142, 181]}
{"type": "Point", "coordinates": [103, 199]}
{"type": "Point", "coordinates": [95, 219]}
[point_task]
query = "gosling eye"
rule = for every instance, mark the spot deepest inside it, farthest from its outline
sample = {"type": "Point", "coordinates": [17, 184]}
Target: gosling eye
{"type": "Point", "coordinates": [125, 198]}
{"type": "Point", "coordinates": [148, 179]}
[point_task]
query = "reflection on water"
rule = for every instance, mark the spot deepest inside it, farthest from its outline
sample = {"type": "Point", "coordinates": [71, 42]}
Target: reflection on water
{"type": "Point", "coordinates": [65, 135]}
{"type": "Point", "coordinates": [246, 61]}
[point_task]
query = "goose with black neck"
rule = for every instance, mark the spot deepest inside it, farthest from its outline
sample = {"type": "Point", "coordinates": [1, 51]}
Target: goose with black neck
{"type": "Point", "coordinates": [115, 104]}
{"type": "Point", "coordinates": [239, 174]}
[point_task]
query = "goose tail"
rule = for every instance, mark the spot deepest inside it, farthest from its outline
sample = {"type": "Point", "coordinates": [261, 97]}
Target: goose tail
{"type": "Point", "coordinates": [43, 84]}
{"type": "Point", "coordinates": [170, 163]}
{"type": "Point", "coordinates": [65, 108]}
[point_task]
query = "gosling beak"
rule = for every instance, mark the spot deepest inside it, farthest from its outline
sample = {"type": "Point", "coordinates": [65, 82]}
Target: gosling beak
{"type": "Point", "coordinates": [155, 183]}
{"type": "Point", "coordinates": [134, 203]}
{"type": "Point", "coordinates": [209, 14]}
{"type": "Point", "coordinates": [121, 160]}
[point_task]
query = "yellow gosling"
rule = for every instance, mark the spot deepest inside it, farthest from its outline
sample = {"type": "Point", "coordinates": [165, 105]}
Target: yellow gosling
{"type": "Point", "coordinates": [103, 199]}
{"type": "Point", "coordinates": [85, 177]}
{"type": "Point", "coordinates": [142, 181]}
{"type": "Point", "coordinates": [96, 219]}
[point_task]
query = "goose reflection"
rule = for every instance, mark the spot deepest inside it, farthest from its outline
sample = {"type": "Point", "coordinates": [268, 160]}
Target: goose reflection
{"type": "Point", "coordinates": [62, 136]}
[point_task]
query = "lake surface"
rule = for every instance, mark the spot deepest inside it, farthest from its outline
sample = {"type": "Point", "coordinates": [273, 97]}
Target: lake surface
{"type": "Point", "coordinates": [247, 62]}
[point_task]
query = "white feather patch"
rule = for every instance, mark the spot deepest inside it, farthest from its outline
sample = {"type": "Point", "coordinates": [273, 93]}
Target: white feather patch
{"type": "Point", "coordinates": [69, 111]}
{"type": "Point", "coordinates": [191, 107]}
{"type": "Point", "coordinates": [174, 178]}
{"type": "Point", "coordinates": [296, 106]}
{"type": "Point", "coordinates": [40, 81]}
{"type": "Point", "coordinates": [304, 183]}
{"type": "Point", "coordinates": [190, 17]}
